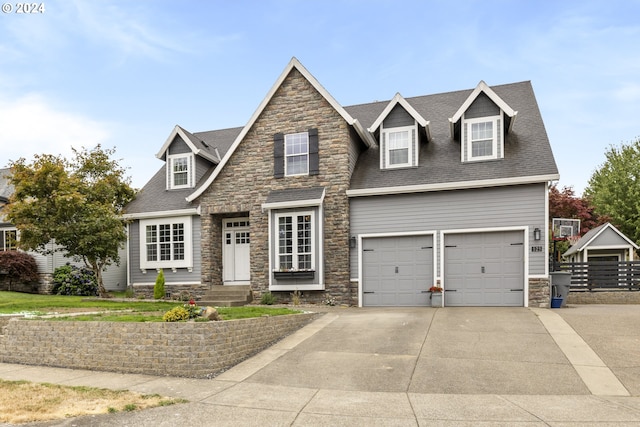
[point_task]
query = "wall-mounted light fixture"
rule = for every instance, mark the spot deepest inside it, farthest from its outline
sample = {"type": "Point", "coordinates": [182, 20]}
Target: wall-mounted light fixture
{"type": "Point", "coordinates": [537, 234]}
{"type": "Point", "coordinates": [352, 242]}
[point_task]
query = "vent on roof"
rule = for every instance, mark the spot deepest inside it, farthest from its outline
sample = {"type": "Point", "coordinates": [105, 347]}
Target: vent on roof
{"type": "Point", "coordinates": [204, 143]}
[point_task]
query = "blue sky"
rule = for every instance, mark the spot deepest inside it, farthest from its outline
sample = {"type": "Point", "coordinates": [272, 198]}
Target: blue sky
{"type": "Point", "coordinates": [123, 73]}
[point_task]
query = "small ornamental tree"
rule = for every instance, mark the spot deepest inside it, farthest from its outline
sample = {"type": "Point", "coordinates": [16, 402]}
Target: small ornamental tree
{"type": "Point", "coordinates": [565, 204]}
{"type": "Point", "coordinates": [158, 288]}
{"type": "Point", "coordinates": [19, 267]}
{"type": "Point", "coordinates": [77, 204]}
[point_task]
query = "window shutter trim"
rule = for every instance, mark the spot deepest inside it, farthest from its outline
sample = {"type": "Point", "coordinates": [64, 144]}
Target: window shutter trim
{"type": "Point", "coordinates": [278, 155]}
{"type": "Point", "coordinates": [314, 158]}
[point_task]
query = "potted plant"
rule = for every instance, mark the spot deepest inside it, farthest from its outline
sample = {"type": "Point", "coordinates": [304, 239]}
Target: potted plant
{"type": "Point", "coordinates": [436, 296]}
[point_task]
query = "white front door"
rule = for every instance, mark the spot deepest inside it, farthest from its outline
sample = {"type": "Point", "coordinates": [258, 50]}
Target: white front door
{"type": "Point", "coordinates": [235, 251]}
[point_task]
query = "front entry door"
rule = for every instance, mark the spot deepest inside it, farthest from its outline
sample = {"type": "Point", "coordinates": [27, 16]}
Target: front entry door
{"type": "Point", "coordinates": [236, 242]}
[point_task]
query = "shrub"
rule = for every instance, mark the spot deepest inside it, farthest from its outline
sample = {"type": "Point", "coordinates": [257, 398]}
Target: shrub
{"type": "Point", "coordinates": [193, 310]}
{"type": "Point", "coordinates": [73, 280]}
{"type": "Point", "coordinates": [267, 299]}
{"type": "Point", "coordinates": [158, 288]}
{"type": "Point", "coordinates": [19, 266]}
{"type": "Point", "coordinates": [176, 314]}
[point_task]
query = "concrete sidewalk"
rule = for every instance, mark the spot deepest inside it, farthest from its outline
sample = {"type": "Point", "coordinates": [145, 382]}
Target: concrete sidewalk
{"type": "Point", "coordinates": [407, 366]}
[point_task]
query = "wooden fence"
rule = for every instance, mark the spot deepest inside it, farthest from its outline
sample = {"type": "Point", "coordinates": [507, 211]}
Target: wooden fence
{"type": "Point", "coordinates": [603, 275]}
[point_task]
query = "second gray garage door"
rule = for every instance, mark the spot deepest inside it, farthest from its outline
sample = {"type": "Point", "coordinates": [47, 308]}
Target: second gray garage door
{"type": "Point", "coordinates": [397, 271]}
{"type": "Point", "coordinates": [484, 269]}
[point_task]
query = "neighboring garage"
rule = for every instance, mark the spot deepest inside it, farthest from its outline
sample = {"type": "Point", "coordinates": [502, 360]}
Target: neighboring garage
{"type": "Point", "coordinates": [397, 271]}
{"type": "Point", "coordinates": [484, 269]}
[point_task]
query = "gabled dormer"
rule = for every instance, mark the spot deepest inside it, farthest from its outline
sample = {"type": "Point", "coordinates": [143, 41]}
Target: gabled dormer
{"type": "Point", "coordinates": [481, 125]}
{"type": "Point", "coordinates": [187, 158]}
{"type": "Point", "coordinates": [399, 130]}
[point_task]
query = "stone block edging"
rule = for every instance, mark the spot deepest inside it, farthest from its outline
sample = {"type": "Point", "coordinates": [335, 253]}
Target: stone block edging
{"type": "Point", "coordinates": [192, 349]}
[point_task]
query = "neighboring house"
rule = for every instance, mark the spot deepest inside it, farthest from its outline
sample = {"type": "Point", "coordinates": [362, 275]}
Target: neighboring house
{"type": "Point", "coordinates": [603, 243]}
{"type": "Point", "coordinates": [370, 204]}
{"type": "Point", "coordinates": [8, 232]}
{"type": "Point", "coordinates": [115, 277]}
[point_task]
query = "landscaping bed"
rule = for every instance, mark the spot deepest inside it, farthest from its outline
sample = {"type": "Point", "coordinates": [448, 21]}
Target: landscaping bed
{"type": "Point", "coordinates": [130, 336]}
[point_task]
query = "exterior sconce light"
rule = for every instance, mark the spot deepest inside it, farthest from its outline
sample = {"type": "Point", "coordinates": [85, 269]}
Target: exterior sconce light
{"type": "Point", "coordinates": [536, 234]}
{"type": "Point", "coordinates": [352, 242]}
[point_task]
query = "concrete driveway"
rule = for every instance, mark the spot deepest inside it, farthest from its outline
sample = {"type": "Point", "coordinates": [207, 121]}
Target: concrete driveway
{"type": "Point", "coordinates": [452, 350]}
{"type": "Point", "coordinates": [408, 367]}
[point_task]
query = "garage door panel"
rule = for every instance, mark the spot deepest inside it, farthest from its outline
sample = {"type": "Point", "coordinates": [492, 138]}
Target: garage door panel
{"type": "Point", "coordinates": [492, 267]}
{"type": "Point", "coordinates": [397, 270]}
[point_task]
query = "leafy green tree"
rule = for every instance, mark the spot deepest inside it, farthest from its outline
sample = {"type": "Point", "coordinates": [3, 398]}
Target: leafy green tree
{"type": "Point", "coordinates": [614, 189]}
{"type": "Point", "coordinates": [78, 204]}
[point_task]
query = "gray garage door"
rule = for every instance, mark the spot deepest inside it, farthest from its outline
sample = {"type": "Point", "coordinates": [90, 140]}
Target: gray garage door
{"type": "Point", "coordinates": [397, 271]}
{"type": "Point", "coordinates": [484, 269]}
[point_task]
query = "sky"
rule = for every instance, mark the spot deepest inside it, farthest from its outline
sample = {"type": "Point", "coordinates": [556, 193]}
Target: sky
{"type": "Point", "coordinates": [122, 74]}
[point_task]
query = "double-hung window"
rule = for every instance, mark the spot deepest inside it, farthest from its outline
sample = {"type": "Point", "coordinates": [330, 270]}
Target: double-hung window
{"type": "Point", "coordinates": [180, 171]}
{"type": "Point", "coordinates": [399, 146]}
{"type": "Point", "coordinates": [165, 243]}
{"type": "Point", "coordinates": [482, 138]}
{"type": "Point", "coordinates": [295, 247]}
{"type": "Point", "coordinates": [296, 154]}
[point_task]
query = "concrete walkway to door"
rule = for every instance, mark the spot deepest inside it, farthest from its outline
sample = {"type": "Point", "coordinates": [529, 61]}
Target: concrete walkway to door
{"type": "Point", "coordinates": [410, 366]}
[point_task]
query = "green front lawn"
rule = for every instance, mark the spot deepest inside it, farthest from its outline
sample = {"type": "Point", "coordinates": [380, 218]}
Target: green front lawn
{"type": "Point", "coordinates": [114, 311]}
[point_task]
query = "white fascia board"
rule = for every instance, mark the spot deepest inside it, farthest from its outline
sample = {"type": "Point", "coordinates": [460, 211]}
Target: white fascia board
{"type": "Point", "coordinates": [483, 87]}
{"type": "Point", "coordinates": [167, 143]}
{"type": "Point", "coordinates": [398, 99]}
{"type": "Point", "coordinates": [607, 225]}
{"type": "Point", "coordinates": [366, 136]}
{"type": "Point", "coordinates": [460, 185]}
{"type": "Point", "coordinates": [163, 214]}
{"type": "Point", "coordinates": [294, 203]}
{"type": "Point", "coordinates": [177, 130]}
{"type": "Point", "coordinates": [294, 63]}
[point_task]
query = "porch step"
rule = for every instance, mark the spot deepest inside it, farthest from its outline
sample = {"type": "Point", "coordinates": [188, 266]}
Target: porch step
{"type": "Point", "coordinates": [226, 296]}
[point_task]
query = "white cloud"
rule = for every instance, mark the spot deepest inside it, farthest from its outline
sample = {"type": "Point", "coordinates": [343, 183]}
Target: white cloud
{"type": "Point", "coordinates": [30, 125]}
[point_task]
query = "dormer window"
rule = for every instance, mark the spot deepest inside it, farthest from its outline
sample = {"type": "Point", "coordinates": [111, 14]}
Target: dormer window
{"type": "Point", "coordinates": [483, 138]}
{"type": "Point", "coordinates": [481, 125]}
{"type": "Point", "coordinates": [180, 171]}
{"type": "Point", "coordinates": [401, 129]}
{"type": "Point", "coordinates": [399, 146]}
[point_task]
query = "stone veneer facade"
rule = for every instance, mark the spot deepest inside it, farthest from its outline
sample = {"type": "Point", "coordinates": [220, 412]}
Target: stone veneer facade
{"type": "Point", "coordinates": [248, 178]}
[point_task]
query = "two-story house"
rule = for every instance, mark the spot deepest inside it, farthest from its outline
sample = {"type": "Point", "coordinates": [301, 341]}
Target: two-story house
{"type": "Point", "coordinates": [370, 204]}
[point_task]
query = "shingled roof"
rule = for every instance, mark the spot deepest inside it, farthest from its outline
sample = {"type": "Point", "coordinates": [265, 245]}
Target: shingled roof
{"type": "Point", "coordinates": [154, 196]}
{"type": "Point", "coordinates": [527, 149]}
{"type": "Point", "coordinates": [527, 152]}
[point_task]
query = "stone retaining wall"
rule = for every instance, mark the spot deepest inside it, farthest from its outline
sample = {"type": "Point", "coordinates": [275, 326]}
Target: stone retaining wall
{"type": "Point", "coordinates": [604, 297]}
{"type": "Point", "coordinates": [194, 349]}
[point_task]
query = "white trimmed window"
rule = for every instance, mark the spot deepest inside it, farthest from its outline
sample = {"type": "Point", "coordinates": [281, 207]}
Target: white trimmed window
{"type": "Point", "coordinates": [8, 239]}
{"type": "Point", "coordinates": [399, 146]}
{"type": "Point", "coordinates": [180, 171]}
{"type": "Point", "coordinates": [165, 243]}
{"type": "Point", "coordinates": [295, 245]}
{"type": "Point", "coordinates": [482, 138]}
{"type": "Point", "coordinates": [296, 154]}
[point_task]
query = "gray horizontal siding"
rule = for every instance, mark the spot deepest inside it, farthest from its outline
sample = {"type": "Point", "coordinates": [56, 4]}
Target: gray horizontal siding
{"type": "Point", "coordinates": [178, 146]}
{"type": "Point", "coordinates": [483, 106]}
{"type": "Point", "coordinates": [181, 275]}
{"type": "Point", "coordinates": [398, 117]}
{"type": "Point", "coordinates": [608, 238]}
{"type": "Point", "coordinates": [447, 210]}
